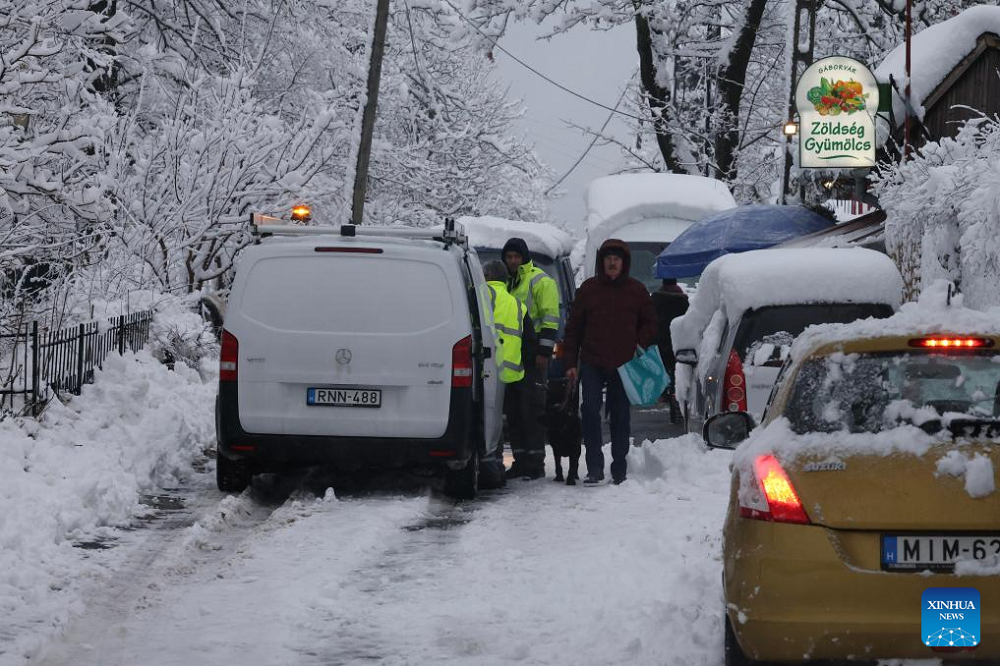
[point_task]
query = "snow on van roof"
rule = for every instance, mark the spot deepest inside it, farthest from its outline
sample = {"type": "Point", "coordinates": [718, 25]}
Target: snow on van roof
{"type": "Point", "coordinates": [739, 282]}
{"type": "Point", "coordinates": [930, 314]}
{"type": "Point", "coordinates": [494, 232]}
{"type": "Point", "coordinates": [935, 52]}
{"type": "Point", "coordinates": [614, 201]}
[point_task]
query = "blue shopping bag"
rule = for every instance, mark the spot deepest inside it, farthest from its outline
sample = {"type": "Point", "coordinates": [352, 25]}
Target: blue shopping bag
{"type": "Point", "coordinates": [644, 377]}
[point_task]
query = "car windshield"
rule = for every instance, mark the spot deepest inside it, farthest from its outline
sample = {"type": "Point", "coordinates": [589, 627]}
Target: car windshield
{"type": "Point", "coordinates": [769, 329]}
{"type": "Point", "coordinates": [874, 392]}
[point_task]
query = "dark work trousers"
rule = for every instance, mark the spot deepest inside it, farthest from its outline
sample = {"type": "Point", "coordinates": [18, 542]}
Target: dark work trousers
{"type": "Point", "coordinates": [524, 406]}
{"type": "Point", "coordinates": [592, 381]}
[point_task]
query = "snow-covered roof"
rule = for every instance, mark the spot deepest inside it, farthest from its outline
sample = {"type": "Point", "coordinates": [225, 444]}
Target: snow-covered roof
{"type": "Point", "coordinates": [493, 232]}
{"type": "Point", "coordinates": [930, 314]}
{"type": "Point", "coordinates": [739, 282]}
{"type": "Point", "coordinates": [934, 53]}
{"type": "Point", "coordinates": [614, 201]}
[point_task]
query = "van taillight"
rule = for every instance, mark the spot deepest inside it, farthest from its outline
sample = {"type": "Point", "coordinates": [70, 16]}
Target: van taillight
{"type": "Point", "coordinates": [229, 357]}
{"type": "Point", "coordinates": [771, 496]}
{"type": "Point", "coordinates": [461, 363]}
{"type": "Point", "coordinates": [734, 384]}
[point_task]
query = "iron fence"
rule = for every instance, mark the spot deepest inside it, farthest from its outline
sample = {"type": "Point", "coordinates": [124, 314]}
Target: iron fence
{"type": "Point", "coordinates": [64, 360]}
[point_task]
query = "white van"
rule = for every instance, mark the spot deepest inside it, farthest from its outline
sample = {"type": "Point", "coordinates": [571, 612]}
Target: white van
{"type": "Point", "coordinates": [358, 347]}
{"type": "Point", "coordinates": [749, 307]}
{"type": "Point", "coordinates": [648, 211]}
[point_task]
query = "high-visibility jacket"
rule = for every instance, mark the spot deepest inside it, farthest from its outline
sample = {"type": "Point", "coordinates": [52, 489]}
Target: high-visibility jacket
{"type": "Point", "coordinates": [508, 320]}
{"type": "Point", "coordinates": [540, 294]}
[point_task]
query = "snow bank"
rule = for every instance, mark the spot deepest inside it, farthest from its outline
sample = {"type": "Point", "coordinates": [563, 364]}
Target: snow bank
{"type": "Point", "coordinates": [80, 471]}
{"type": "Point", "coordinates": [935, 52]}
{"type": "Point", "coordinates": [739, 282]}
{"type": "Point", "coordinates": [494, 232]}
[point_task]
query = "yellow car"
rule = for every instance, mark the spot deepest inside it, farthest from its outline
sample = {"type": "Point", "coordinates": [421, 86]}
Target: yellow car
{"type": "Point", "coordinates": [864, 517]}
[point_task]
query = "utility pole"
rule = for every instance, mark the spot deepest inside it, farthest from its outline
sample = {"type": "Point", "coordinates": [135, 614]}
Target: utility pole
{"type": "Point", "coordinates": [907, 118]}
{"type": "Point", "coordinates": [371, 106]}
{"type": "Point", "coordinates": [800, 60]}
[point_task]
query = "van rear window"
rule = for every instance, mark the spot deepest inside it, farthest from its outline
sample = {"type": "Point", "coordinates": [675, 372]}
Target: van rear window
{"type": "Point", "coordinates": [347, 294]}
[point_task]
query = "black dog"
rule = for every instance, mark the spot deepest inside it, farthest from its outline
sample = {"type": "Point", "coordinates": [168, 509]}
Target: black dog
{"type": "Point", "coordinates": [562, 421]}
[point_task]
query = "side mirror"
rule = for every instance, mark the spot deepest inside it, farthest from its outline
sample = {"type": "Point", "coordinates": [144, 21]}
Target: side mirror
{"type": "Point", "coordinates": [687, 357]}
{"type": "Point", "coordinates": [726, 430]}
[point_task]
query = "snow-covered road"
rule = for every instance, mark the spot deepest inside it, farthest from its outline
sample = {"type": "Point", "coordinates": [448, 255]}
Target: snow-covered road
{"type": "Point", "coordinates": [538, 573]}
{"type": "Point", "coordinates": [116, 548]}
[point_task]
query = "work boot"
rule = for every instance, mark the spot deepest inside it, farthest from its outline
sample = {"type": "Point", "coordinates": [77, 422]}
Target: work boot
{"type": "Point", "coordinates": [593, 480]}
{"type": "Point", "coordinates": [532, 473]}
{"type": "Point", "coordinates": [515, 471]}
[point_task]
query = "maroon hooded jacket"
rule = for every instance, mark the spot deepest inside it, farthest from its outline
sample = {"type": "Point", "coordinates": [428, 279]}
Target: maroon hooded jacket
{"type": "Point", "coordinates": [609, 317]}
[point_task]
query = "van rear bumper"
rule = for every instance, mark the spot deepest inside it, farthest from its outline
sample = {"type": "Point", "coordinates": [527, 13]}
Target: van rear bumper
{"type": "Point", "coordinates": [262, 450]}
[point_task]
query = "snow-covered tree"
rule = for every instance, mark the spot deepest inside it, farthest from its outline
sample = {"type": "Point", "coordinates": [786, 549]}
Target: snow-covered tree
{"type": "Point", "coordinates": [137, 136]}
{"type": "Point", "coordinates": [944, 213]}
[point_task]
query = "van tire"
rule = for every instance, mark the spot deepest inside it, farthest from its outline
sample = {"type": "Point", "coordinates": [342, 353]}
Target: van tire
{"type": "Point", "coordinates": [231, 476]}
{"type": "Point", "coordinates": [461, 484]}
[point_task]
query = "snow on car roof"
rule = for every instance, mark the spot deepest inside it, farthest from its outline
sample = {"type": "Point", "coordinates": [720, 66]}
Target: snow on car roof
{"type": "Point", "coordinates": [935, 52]}
{"type": "Point", "coordinates": [929, 315]}
{"type": "Point", "coordinates": [494, 232]}
{"type": "Point", "coordinates": [614, 201]}
{"type": "Point", "coordinates": [739, 282]}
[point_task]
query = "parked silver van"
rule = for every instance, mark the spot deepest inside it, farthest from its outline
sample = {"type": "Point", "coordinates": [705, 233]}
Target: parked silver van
{"type": "Point", "coordinates": [358, 347]}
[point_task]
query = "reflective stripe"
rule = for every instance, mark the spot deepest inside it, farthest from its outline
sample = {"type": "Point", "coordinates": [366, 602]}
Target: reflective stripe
{"type": "Point", "coordinates": [530, 300]}
{"type": "Point", "coordinates": [508, 330]}
{"type": "Point", "coordinates": [549, 319]}
{"type": "Point", "coordinates": [512, 366]}
{"type": "Point", "coordinates": [545, 342]}
{"type": "Point", "coordinates": [493, 297]}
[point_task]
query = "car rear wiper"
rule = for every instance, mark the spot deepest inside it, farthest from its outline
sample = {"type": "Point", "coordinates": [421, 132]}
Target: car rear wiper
{"type": "Point", "coordinates": [974, 428]}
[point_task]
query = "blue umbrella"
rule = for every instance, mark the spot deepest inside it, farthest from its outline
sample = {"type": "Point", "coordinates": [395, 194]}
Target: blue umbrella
{"type": "Point", "coordinates": [739, 229]}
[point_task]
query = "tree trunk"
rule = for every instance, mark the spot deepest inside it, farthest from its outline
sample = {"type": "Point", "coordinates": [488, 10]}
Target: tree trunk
{"type": "Point", "coordinates": [731, 82]}
{"type": "Point", "coordinates": [658, 98]}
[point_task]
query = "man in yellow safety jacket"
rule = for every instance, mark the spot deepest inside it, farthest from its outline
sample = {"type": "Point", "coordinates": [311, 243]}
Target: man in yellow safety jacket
{"type": "Point", "coordinates": [517, 341]}
{"type": "Point", "coordinates": [540, 294]}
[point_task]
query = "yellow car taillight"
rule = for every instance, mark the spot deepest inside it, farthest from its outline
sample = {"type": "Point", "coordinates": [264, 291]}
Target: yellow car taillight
{"type": "Point", "coordinates": [778, 501]}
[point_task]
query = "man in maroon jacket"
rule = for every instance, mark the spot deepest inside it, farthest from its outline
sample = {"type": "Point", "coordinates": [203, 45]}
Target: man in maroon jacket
{"type": "Point", "coordinates": [611, 315]}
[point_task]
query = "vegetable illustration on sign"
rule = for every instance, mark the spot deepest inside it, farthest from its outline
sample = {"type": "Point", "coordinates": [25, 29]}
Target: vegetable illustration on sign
{"type": "Point", "coordinates": [836, 99]}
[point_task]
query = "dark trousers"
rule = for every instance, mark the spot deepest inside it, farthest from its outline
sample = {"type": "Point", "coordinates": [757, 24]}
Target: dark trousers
{"type": "Point", "coordinates": [524, 406]}
{"type": "Point", "coordinates": [592, 381]}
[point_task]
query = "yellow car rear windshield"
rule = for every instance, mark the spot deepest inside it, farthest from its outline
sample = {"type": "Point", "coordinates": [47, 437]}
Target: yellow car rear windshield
{"type": "Point", "coordinates": [879, 391]}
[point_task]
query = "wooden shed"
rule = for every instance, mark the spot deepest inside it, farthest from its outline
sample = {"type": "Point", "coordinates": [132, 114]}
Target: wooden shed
{"type": "Point", "coordinates": [955, 76]}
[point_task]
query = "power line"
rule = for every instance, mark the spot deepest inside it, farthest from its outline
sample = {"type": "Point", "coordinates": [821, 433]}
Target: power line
{"type": "Point", "coordinates": [593, 141]}
{"type": "Point", "coordinates": [496, 45]}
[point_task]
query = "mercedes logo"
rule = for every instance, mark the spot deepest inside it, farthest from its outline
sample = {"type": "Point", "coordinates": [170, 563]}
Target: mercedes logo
{"type": "Point", "coordinates": [343, 356]}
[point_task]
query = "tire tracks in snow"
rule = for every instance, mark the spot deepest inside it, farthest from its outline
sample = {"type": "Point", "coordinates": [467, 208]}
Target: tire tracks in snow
{"type": "Point", "coordinates": [192, 528]}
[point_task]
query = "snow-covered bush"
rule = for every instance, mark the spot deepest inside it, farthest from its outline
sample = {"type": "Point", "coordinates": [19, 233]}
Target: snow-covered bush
{"type": "Point", "coordinates": [179, 333]}
{"type": "Point", "coordinates": [944, 213]}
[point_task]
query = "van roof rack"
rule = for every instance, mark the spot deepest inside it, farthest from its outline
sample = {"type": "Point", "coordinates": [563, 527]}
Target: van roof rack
{"type": "Point", "coordinates": [262, 226]}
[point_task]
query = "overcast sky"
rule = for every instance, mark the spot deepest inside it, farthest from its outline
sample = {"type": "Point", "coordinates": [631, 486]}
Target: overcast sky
{"type": "Point", "coordinates": [597, 64]}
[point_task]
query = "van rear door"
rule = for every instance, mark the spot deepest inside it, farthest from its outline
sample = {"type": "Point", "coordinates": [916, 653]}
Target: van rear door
{"type": "Point", "coordinates": [492, 388]}
{"type": "Point", "coordinates": [351, 340]}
